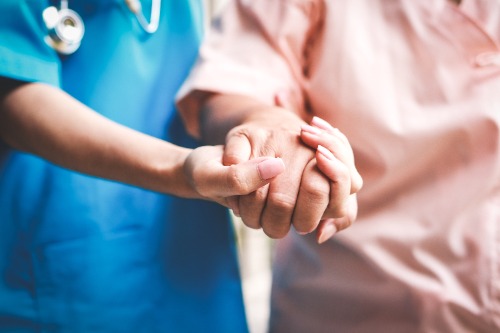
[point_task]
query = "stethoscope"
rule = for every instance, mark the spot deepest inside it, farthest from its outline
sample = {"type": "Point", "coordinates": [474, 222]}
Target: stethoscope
{"type": "Point", "coordinates": [66, 28]}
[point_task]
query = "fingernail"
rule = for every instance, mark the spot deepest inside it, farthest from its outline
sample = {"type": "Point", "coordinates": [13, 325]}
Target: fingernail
{"type": "Point", "coordinates": [310, 129]}
{"type": "Point", "coordinates": [270, 168]}
{"type": "Point", "coordinates": [326, 233]}
{"type": "Point", "coordinates": [325, 152]}
{"type": "Point", "coordinates": [323, 124]}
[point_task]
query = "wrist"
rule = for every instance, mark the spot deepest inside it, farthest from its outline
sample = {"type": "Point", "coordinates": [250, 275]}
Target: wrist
{"type": "Point", "coordinates": [172, 175]}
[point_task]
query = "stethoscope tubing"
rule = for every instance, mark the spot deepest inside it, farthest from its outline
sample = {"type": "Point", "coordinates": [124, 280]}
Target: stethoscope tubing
{"type": "Point", "coordinates": [66, 28]}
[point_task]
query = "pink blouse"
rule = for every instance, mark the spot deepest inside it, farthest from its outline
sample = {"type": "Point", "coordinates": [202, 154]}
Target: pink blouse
{"type": "Point", "coordinates": [415, 86]}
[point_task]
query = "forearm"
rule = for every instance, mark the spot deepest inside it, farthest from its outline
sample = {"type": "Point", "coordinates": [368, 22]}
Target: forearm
{"type": "Point", "coordinates": [44, 121]}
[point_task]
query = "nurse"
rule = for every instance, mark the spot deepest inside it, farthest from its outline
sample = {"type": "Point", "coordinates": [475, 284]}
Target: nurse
{"type": "Point", "coordinates": [82, 254]}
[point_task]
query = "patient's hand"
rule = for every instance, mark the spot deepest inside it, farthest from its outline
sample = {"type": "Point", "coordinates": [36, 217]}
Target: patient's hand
{"type": "Point", "coordinates": [333, 153]}
{"type": "Point", "coordinates": [304, 194]}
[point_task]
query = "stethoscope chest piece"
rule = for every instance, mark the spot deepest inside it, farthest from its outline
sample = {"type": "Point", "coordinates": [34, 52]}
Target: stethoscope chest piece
{"type": "Point", "coordinates": [65, 29]}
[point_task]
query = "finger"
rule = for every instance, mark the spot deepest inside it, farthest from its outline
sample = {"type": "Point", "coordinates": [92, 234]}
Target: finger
{"type": "Point", "coordinates": [237, 149]}
{"type": "Point", "coordinates": [340, 184]}
{"type": "Point", "coordinates": [233, 204]}
{"type": "Point", "coordinates": [326, 229]}
{"type": "Point", "coordinates": [243, 178]}
{"type": "Point", "coordinates": [329, 227]}
{"type": "Point", "coordinates": [312, 200]}
{"type": "Point", "coordinates": [277, 213]}
{"type": "Point", "coordinates": [276, 218]}
{"type": "Point", "coordinates": [327, 127]}
{"type": "Point", "coordinates": [251, 207]}
{"type": "Point", "coordinates": [313, 136]}
{"type": "Point", "coordinates": [336, 143]}
{"type": "Point", "coordinates": [356, 179]}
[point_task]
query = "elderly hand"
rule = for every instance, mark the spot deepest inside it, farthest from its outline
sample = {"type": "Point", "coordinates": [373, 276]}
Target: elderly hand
{"type": "Point", "coordinates": [302, 196]}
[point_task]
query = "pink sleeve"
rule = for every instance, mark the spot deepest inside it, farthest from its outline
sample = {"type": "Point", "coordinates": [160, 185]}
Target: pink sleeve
{"type": "Point", "coordinates": [255, 48]}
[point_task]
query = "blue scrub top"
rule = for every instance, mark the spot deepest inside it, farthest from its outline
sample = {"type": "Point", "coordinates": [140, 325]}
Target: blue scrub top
{"type": "Point", "coordinates": [81, 254]}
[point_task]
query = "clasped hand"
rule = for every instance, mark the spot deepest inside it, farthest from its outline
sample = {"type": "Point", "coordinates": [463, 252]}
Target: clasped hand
{"type": "Point", "coordinates": [316, 191]}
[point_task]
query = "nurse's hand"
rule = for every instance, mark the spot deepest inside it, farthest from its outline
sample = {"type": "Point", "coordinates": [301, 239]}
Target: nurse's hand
{"type": "Point", "coordinates": [212, 180]}
{"type": "Point", "coordinates": [333, 152]}
{"type": "Point", "coordinates": [43, 120]}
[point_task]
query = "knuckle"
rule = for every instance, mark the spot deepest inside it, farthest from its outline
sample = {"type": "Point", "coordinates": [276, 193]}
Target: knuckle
{"type": "Point", "coordinates": [251, 223]}
{"type": "Point", "coordinates": [305, 229]}
{"type": "Point", "coordinates": [307, 221]}
{"type": "Point", "coordinates": [199, 185]}
{"type": "Point", "coordinates": [356, 183]}
{"type": "Point", "coordinates": [315, 192]}
{"type": "Point", "coordinates": [237, 132]}
{"type": "Point", "coordinates": [244, 132]}
{"type": "Point", "coordinates": [260, 194]}
{"type": "Point", "coordinates": [339, 211]}
{"type": "Point", "coordinates": [343, 223]}
{"type": "Point", "coordinates": [276, 231]}
{"type": "Point", "coordinates": [343, 174]}
{"type": "Point", "coordinates": [251, 206]}
{"type": "Point", "coordinates": [204, 191]}
{"type": "Point", "coordinates": [281, 202]}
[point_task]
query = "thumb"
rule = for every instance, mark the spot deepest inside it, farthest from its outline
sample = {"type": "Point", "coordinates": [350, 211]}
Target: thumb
{"type": "Point", "coordinates": [246, 177]}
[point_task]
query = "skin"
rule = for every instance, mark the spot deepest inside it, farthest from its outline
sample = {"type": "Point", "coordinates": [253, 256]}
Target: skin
{"type": "Point", "coordinates": [330, 141]}
{"type": "Point", "coordinates": [45, 121]}
{"type": "Point", "coordinates": [303, 195]}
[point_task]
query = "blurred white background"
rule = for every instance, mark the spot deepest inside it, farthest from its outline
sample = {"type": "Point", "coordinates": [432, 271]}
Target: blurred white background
{"type": "Point", "coordinates": [255, 249]}
{"type": "Point", "coordinates": [214, 6]}
{"type": "Point", "coordinates": [255, 252]}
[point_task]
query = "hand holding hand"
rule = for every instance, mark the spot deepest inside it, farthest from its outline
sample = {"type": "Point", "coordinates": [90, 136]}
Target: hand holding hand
{"type": "Point", "coordinates": [212, 180]}
{"type": "Point", "coordinates": [333, 154]}
{"type": "Point", "coordinates": [301, 196]}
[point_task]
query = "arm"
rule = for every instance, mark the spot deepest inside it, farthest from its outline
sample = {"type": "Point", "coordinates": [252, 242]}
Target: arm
{"type": "Point", "coordinates": [259, 48]}
{"type": "Point", "coordinates": [45, 121]}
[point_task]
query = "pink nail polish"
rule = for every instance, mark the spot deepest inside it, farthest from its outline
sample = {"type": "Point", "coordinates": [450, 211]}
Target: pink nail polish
{"type": "Point", "coordinates": [310, 129]}
{"type": "Point", "coordinates": [323, 124]}
{"type": "Point", "coordinates": [270, 168]}
{"type": "Point", "coordinates": [325, 152]}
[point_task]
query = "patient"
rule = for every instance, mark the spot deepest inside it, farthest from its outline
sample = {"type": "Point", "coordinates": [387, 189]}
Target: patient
{"type": "Point", "coordinates": [414, 86]}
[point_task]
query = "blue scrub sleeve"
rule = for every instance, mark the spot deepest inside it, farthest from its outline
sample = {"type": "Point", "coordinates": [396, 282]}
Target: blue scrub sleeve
{"type": "Point", "coordinates": [24, 54]}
